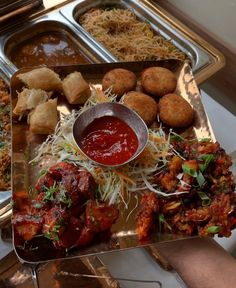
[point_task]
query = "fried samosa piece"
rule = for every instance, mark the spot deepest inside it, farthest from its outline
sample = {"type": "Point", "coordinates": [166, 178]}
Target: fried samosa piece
{"type": "Point", "coordinates": [43, 119]}
{"type": "Point", "coordinates": [41, 78]}
{"type": "Point", "coordinates": [75, 88]}
{"type": "Point", "coordinates": [28, 99]}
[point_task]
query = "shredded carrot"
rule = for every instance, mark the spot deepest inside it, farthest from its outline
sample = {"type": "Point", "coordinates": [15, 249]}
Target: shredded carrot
{"type": "Point", "coordinates": [124, 177]}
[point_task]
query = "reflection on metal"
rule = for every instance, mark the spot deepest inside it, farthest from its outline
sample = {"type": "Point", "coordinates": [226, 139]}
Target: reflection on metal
{"type": "Point", "coordinates": [19, 275]}
{"type": "Point", "coordinates": [158, 283]}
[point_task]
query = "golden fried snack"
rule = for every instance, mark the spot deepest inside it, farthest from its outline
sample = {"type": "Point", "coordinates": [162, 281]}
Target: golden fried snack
{"type": "Point", "coordinates": [142, 104]}
{"type": "Point", "coordinates": [41, 78]}
{"type": "Point", "coordinates": [28, 99]}
{"type": "Point", "coordinates": [43, 119]}
{"type": "Point", "coordinates": [158, 81]}
{"type": "Point", "coordinates": [121, 81]}
{"type": "Point", "coordinates": [175, 111]}
{"type": "Point", "coordinates": [75, 88]}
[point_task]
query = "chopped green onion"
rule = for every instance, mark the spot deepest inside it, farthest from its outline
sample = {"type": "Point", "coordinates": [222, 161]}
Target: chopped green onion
{"type": "Point", "coordinates": [208, 158]}
{"type": "Point", "coordinates": [206, 201]}
{"type": "Point", "coordinates": [213, 229]}
{"type": "Point", "coordinates": [204, 140]}
{"type": "Point", "coordinates": [200, 179]}
{"type": "Point", "coordinates": [189, 171]}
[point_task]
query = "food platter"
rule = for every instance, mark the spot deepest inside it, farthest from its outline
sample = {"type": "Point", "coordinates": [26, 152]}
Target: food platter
{"type": "Point", "coordinates": [25, 145]}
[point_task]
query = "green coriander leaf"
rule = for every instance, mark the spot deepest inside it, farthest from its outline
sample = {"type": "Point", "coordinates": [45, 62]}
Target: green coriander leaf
{"type": "Point", "coordinates": [49, 193]}
{"type": "Point", "coordinates": [52, 236]}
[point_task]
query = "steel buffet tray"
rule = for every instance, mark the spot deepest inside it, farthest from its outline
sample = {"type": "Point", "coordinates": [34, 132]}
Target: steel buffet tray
{"type": "Point", "coordinates": [205, 59]}
{"type": "Point", "coordinates": [24, 145]}
{"type": "Point", "coordinates": [52, 22]}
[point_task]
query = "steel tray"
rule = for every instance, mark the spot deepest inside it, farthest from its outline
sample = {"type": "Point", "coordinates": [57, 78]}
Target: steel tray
{"type": "Point", "coordinates": [205, 59]}
{"type": "Point", "coordinates": [24, 145]}
{"type": "Point", "coordinates": [51, 22]}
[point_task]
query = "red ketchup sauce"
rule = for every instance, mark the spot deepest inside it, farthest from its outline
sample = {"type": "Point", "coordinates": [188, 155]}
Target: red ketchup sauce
{"type": "Point", "coordinates": [109, 141]}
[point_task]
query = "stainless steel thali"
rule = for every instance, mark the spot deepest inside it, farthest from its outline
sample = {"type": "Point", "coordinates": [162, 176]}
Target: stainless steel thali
{"type": "Point", "coordinates": [24, 146]}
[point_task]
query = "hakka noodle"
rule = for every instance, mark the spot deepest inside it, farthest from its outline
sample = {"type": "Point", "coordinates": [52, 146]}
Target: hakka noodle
{"type": "Point", "coordinates": [126, 37]}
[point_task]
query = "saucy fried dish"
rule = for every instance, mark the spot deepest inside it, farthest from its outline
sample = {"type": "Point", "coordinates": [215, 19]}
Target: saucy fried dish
{"type": "Point", "coordinates": [65, 210]}
{"type": "Point", "coordinates": [206, 203]}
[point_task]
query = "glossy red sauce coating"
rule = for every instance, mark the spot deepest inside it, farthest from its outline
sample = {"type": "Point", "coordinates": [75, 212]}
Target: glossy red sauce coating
{"type": "Point", "coordinates": [109, 141]}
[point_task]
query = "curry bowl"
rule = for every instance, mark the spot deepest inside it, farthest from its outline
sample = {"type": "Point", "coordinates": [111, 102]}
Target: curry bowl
{"type": "Point", "coordinates": [134, 133]}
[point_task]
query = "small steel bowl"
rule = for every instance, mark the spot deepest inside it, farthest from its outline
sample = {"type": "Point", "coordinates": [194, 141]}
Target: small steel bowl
{"type": "Point", "coordinates": [119, 111]}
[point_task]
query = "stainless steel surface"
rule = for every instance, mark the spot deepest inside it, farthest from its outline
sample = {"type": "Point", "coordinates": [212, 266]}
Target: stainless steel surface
{"type": "Point", "coordinates": [158, 283]}
{"type": "Point", "coordinates": [18, 9]}
{"type": "Point", "coordinates": [18, 275]}
{"type": "Point", "coordinates": [202, 56]}
{"type": "Point", "coordinates": [8, 6]}
{"type": "Point", "coordinates": [123, 231]}
{"type": "Point", "coordinates": [117, 110]}
{"type": "Point", "coordinates": [4, 198]}
{"type": "Point", "coordinates": [50, 22]}
{"type": "Point", "coordinates": [34, 276]}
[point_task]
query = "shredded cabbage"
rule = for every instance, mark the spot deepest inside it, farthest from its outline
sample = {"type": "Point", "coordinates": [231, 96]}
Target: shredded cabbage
{"type": "Point", "coordinates": [114, 184]}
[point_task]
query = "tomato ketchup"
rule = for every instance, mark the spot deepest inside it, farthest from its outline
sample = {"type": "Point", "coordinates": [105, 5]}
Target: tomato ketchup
{"type": "Point", "coordinates": [109, 141]}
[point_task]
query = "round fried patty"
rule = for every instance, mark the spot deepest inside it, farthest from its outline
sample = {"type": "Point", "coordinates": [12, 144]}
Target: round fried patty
{"type": "Point", "coordinates": [121, 81]}
{"type": "Point", "coordinates": [142, 104]}
{"type": "Point", "coordinates": [175, 111]}
{"type": "Point", "coordinates": [158, 81]}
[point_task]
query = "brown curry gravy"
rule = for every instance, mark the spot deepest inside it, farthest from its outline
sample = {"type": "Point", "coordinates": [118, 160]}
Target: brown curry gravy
{"type": "Point", "coordinates": [51, 49]}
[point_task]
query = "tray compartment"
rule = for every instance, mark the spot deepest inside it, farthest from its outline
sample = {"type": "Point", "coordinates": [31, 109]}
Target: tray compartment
{"type": "Point", "coordinates": [52, 23]}
{"type": "Point", "coordinates": [204, 59]}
